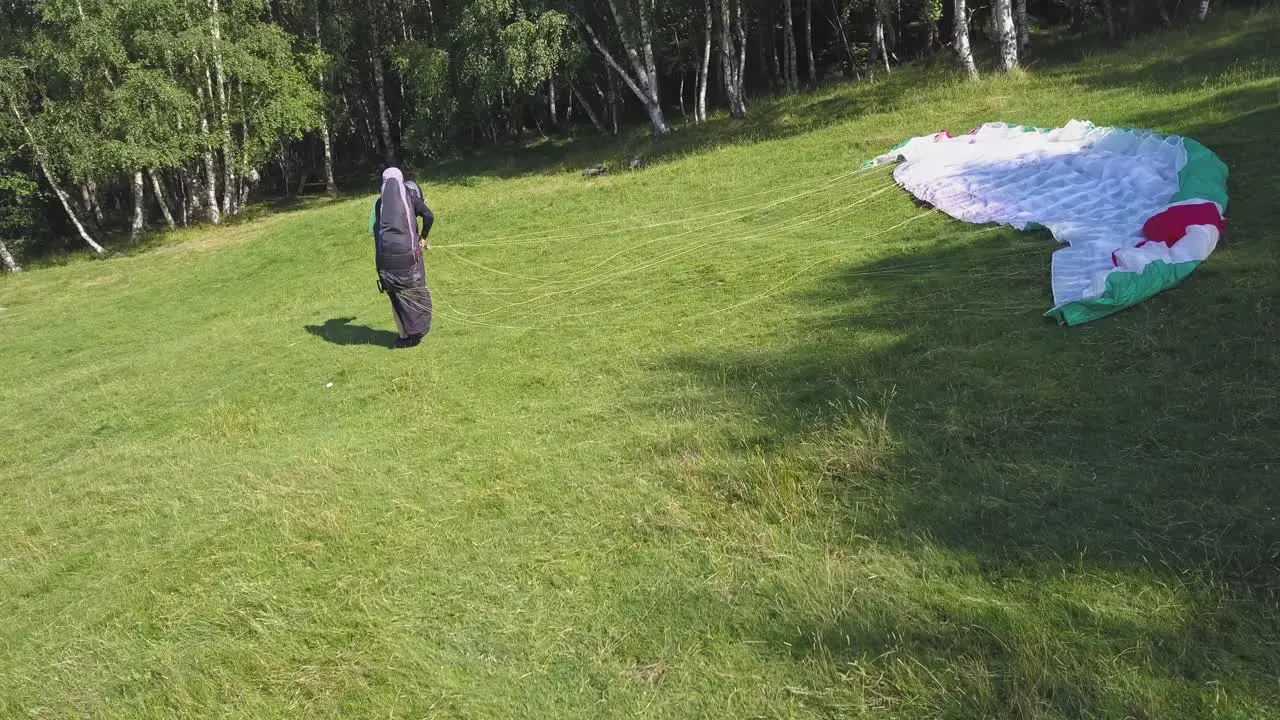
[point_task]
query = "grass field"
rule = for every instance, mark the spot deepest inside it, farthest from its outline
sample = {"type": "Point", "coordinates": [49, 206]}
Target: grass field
{"type": "Point", "coordinates": [738, 435]}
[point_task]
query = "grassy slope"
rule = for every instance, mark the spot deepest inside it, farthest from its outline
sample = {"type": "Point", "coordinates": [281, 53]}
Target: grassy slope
{"type": "Point", "coordinates": [822, 458]}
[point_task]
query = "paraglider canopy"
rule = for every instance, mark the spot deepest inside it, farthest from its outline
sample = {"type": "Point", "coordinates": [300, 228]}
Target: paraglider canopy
{"type": "Point", "coordinates": [1138, 211]}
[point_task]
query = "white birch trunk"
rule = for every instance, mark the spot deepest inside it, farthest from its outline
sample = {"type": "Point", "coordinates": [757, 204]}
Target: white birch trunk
{"type": "Point", "coordinates": [730, 62]}
{"type": "Point", "coordinates": [7, 258]}
{"type": "Point", "coordinates": [643, 9]}
{"type": "Point", "coordinates": [551, 103]}
{"type": "Point", "coordinates": [960, 39]}
{"type": "Point", "coordinates": [639, 51]}
{"type": "Point", "coordinates": [1203, 11]}
{"type": "Point", "coordinates": [880, 41]}
{"type": "Point", "coordinates": [139, 208]}
{"type": "Point", "coordinates": [164, 205]}
{"type": "Point", "coordinates": [656, 118]}
{"type": "Point", "coordinates": [190, 196]}
{"type": "Point", "coordinates": [210, 180]}
{"type": "Point", "coordinates": [286, 170]}
{"type": "Point", "coordinates": [210, 167]}
{"type": "Point", "coordinates": [586, 106]}
{"type": "Point", "coordinates": [86, 204]}
{"type": "Point", "coordinates": [877, 42]}
{"type": "Point", "coordinates": [243, 184]}
{"type": "Point", "coordinates": [330, 186]}
{"type": "Point", "coordinates": [220, 94]}
{"type": "Point", "coordinates": [249, 182]}
{"type": "Point", "coordinates": [1006, 34]}
{"type": "Point", "coordinates": [740, 29]}
{"type": "Point", "coordinates": [184, 198]}
{"type": "Point", "coordinates": [93, 206]}
{"type": "Point", "coordinates": [727, 60]}
{"type": "Point", "coordinates": [66, 206]}
{"type": "Point", "coordinates": [48, 175]}
{"type": "Point", "coordinates": [700, 111]}
{"type": "Point", "coordinates": [808, 41]}
{"type": "Point", "coordinates": [211, 187]}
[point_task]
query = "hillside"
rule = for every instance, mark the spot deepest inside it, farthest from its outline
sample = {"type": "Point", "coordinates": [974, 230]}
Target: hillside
{"type": "Point", "coordinates": [743, 433]}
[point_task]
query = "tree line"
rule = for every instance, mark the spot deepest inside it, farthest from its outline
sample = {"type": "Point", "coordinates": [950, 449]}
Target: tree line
{"type": "Point", "coordinates": [119, 115]}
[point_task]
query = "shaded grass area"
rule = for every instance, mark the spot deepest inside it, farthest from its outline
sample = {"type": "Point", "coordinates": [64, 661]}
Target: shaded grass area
{"type": "Point", "coordinates": [738, 435]}
{"type": "Point", "coordinates": [1086, 524]}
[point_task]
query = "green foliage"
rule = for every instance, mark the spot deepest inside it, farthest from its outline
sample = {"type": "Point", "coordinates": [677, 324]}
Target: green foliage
{"type": "Point", "coordinates": [19, 197]}
{"type": "Point", "coordinates": [275, 95]}
{"type": "Point", "coordinates": [482, 70]}
{"type": "Point", "coordinates": [499, 54]}
{"type": "Point", "coordinates": [425, 71]}
{"type": "Point", "coordinates": [17, 200]}
{"type": "Point", "coordinates": [931, 10]}
{"type": "Point", "coordinates": [148, 120]}
{"type": "Point", "coordinates": [535, 49]}
{"type": "Point", "coordinates": [119, 84]}
{"type": "Point", "coordinates": [499, 47]}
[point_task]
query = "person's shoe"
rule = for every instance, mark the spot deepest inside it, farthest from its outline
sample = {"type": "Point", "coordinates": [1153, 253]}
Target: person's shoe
{"type": "Point", "coordinates": [401, 343]}
{"type": "Point", "coordinates": [413, 340]}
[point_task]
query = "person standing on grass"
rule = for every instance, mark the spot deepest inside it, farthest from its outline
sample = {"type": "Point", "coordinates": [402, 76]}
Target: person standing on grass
{"type": "Point", "coordinates": [398, 244]}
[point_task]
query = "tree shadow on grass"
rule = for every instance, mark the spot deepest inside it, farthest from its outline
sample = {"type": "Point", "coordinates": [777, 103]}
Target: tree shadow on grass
{"type": "Point", "coordinates": [1231, 48]}
{"type": "Point", "coordinates": [340, 331]}
{"type": "Point", "coordinates": [1045, 479]}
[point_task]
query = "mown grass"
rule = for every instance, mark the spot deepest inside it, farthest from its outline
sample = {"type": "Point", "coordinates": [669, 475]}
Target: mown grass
{"type": "Point", "coordinates": [807, 451]}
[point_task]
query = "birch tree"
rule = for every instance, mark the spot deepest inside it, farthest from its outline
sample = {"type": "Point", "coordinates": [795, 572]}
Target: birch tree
{"type": "Point", "coordinates": [633, 23]}
{"type": "Point", "coordinates": [6, 258]}
{"type": "Point", "coordinates": [733, 56]}
{"type": "Point", "coordinates": [960, 40]}
{"type": "Point", "coordinates": [704, 69]}
{"type": "Point", "coordinates": [808, 41]}
{"type": "Point", "coordinates": [1006, 34]}
{"type": "Point", "coordinates": [878, 51]}
{"type": "Point", "coordinates": [13, 90]}
{"type": "Point", "coordinates": [158, 188]}
{"type": "Point", "coordinates": [330, 186]}
{"type": "Point", "coordinates": [210, 169]}
{"type": "Point", "coordinates": [139, 208]}
{"type": "Point", "coordinates": [789, 47]}
{"type": "Point", "coordinates": [218, 82]}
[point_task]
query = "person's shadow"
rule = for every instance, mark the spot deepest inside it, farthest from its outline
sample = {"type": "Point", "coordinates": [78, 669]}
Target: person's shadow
{"type": "Point", "coordinates": [340, 331]}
